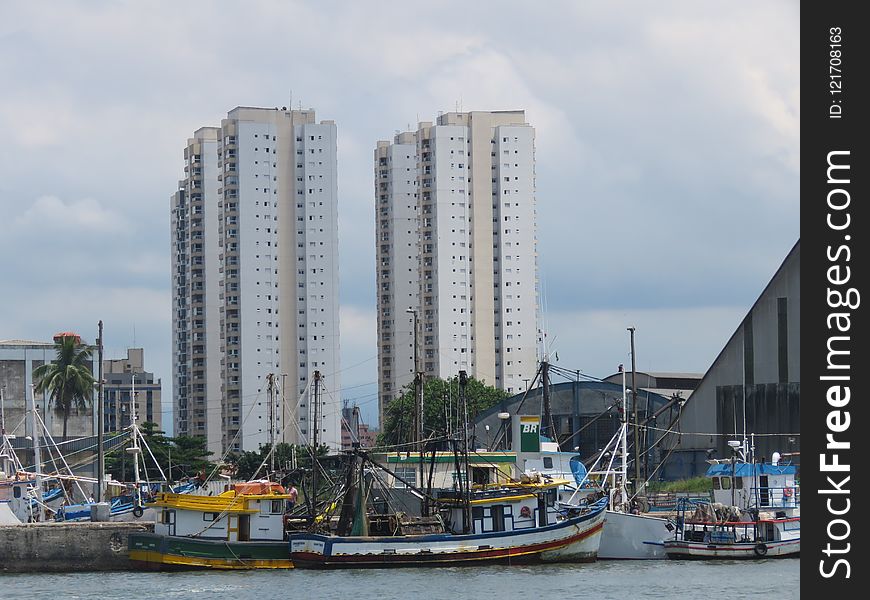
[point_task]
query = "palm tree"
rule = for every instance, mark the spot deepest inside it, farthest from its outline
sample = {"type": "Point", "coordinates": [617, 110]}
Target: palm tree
{"type": "Point", "coordinates": [68, 380]}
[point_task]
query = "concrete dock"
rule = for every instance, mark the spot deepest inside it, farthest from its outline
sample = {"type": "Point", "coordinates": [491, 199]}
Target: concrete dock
{"type": "Point", "coordinates": [66, 547]}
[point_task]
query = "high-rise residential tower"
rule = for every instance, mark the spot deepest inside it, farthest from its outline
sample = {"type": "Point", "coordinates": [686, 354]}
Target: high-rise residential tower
{"type": "Point", "coordinates": [456, 248]}
{"type": "Point", "coordinates": [276, 299]}
{"type": "Point", "coordinates": [196, 273]}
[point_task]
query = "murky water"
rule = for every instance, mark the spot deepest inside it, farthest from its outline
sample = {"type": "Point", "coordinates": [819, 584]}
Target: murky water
{"type": "Point", "coordinates": [623, 580]}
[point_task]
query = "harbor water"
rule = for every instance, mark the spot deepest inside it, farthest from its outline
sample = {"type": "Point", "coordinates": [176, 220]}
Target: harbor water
{"type": "Point", "coordinates": [601, 580]}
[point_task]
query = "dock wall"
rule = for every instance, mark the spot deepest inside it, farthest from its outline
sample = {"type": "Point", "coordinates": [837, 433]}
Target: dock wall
{"type": "Point", "coordinates": [66, 547]}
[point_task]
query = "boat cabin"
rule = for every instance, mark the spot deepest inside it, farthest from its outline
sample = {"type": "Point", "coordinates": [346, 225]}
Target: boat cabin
{"type": "Point", "coordinates": [16, 494]}
{"type": "Point", "coordinates": [252, 511]}
{"type": "Point", "coordinates": [765, 486]}
{"type": "Point", "coordinates": [511, 507]}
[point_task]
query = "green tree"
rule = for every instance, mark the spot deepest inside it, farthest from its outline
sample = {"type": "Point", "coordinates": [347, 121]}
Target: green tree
{"type": "Point", "coordinates": [68, 380]}
{"type": "Point", "coordinates": [441, 409]}
{"type": "Point", "coordinates": [186, 455]}
{"type": "Point", "coordinates": [247, 463]}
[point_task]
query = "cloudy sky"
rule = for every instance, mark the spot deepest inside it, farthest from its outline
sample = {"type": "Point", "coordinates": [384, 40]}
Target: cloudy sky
{"type": "Point", "coordinates": [667, 139]}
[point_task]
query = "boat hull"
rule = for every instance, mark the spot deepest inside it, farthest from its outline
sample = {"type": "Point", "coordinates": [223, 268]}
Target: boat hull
{"type": "Point", "coordinates": [634, 537]}
{"type": "Point", "coordinates": [575, 539]}
{"type": "Point", "coordinates": [7, 517]}
{"type": "Point", "coordinates": [703, 551]}
{"type": "Point", "coordinates": [164, 553]}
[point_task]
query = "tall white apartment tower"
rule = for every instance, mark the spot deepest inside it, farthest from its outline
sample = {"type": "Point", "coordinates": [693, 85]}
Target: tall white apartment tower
{"type": "Point", "coordinates": [456, 243]}
{"type": "Point", "coordinates": [196, 273]}
{"type": "Point", "coordinates": [277, 295]}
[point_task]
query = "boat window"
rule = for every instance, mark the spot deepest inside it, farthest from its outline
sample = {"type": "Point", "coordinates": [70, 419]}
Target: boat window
{"type": "Point", "coordinates": [16, 492]}
{"type": "Point", "coordinates": [548, 462]}
{"type": "Point", "coordinates": [738, 483]}
{"type": "Point", "coordinates": [480, 475]}
{"type": "Point", "coordinates": [726, 483]}
{"type": "Point", "coordinates": [209, 516]}
{"type": "Point", "coordinates": [716, 483]}
{"type": "Point", "coordinates": [276, 507]}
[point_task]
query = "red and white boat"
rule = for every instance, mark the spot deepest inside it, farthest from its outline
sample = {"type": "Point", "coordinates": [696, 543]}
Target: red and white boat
{"type": "Point", "coordinates": [513, 523]}
{"type": "Point", "coordinates": [755, 514]}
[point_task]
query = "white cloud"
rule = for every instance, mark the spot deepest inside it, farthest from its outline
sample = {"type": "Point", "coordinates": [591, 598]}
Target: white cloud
{"type": "Point", "coordinates": [50, 215]}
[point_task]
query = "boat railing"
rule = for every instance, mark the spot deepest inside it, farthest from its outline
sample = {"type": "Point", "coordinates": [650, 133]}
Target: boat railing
{"type": "Point", "coordinates": [668, 501]}
{"type": "Point", "coordinates": [771, 498]}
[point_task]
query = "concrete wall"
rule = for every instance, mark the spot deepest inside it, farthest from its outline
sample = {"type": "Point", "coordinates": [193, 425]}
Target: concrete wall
{"type": "Point", "coordinates": [18, 359]}
{"type": "Point", "coordinates": [66, 547]}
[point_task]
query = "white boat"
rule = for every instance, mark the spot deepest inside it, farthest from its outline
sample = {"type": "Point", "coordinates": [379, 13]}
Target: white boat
{"type": "Point", "coordinates": [755, 514]}
{"type": "Point", "coordinates": [628, 534]}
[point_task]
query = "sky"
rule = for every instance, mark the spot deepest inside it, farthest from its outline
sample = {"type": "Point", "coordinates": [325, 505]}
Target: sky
{"type": "Point", "coordinates": [667, 149]}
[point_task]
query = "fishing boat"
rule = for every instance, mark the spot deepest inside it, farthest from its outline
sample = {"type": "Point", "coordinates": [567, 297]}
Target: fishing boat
{"type": "Point", "coordinates": [755, 514]}
{"type": "Point", "coordinates": [504, 523]}
{"type": "Point", "coordinates": [511, 522]}
{"type": "Point", "coordinates": [629, 534]}
{"type": "Point", "coordinates": [242, 528]}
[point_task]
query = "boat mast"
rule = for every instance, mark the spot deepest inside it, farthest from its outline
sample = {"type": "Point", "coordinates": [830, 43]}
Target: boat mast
{"type": "Point", "coordinates": [418, 410]}
{"type": "Point", "coordinates": [623, 439]}
{"type": "Point", "coordinates": [3, 433]}
{"type": "Point", "coordinates": [545, 387]}
{"type": "Point", "coordinates": [37, 458]}
{"type": "Point", "coordinates": [6, 452]}
{"type": "Point", "coordinates": [135, 449]}
{"type": "Point", "coordinates": [637, 481]}
{"type": "Point", "coordinates": [315, 427]}
{"type": "Point", "coordinates": [466, 488]}
{"type": "Point", "coordinates": [101, 452]}
{"type": "Point", "coordinates": [745, 443]}
{"type": "Point", "coordinates": [271, 378]}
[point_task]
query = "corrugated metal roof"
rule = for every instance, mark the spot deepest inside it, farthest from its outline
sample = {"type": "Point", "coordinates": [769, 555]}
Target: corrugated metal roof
{"type": "Point", "coordinates": [25, 343]}
{"type": "Point", "coordinates": [750, 470]}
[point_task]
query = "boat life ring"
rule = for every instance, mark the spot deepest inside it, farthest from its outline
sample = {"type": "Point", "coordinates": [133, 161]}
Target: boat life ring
{"type": "Point", "coordinates": [138, 511]}
{"type": "Point", "coordinates": [760, 549]}
{"type": "Point", "coordinates": [787, 492]}
{"type": "Point", "coordinates": [525, 512]}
